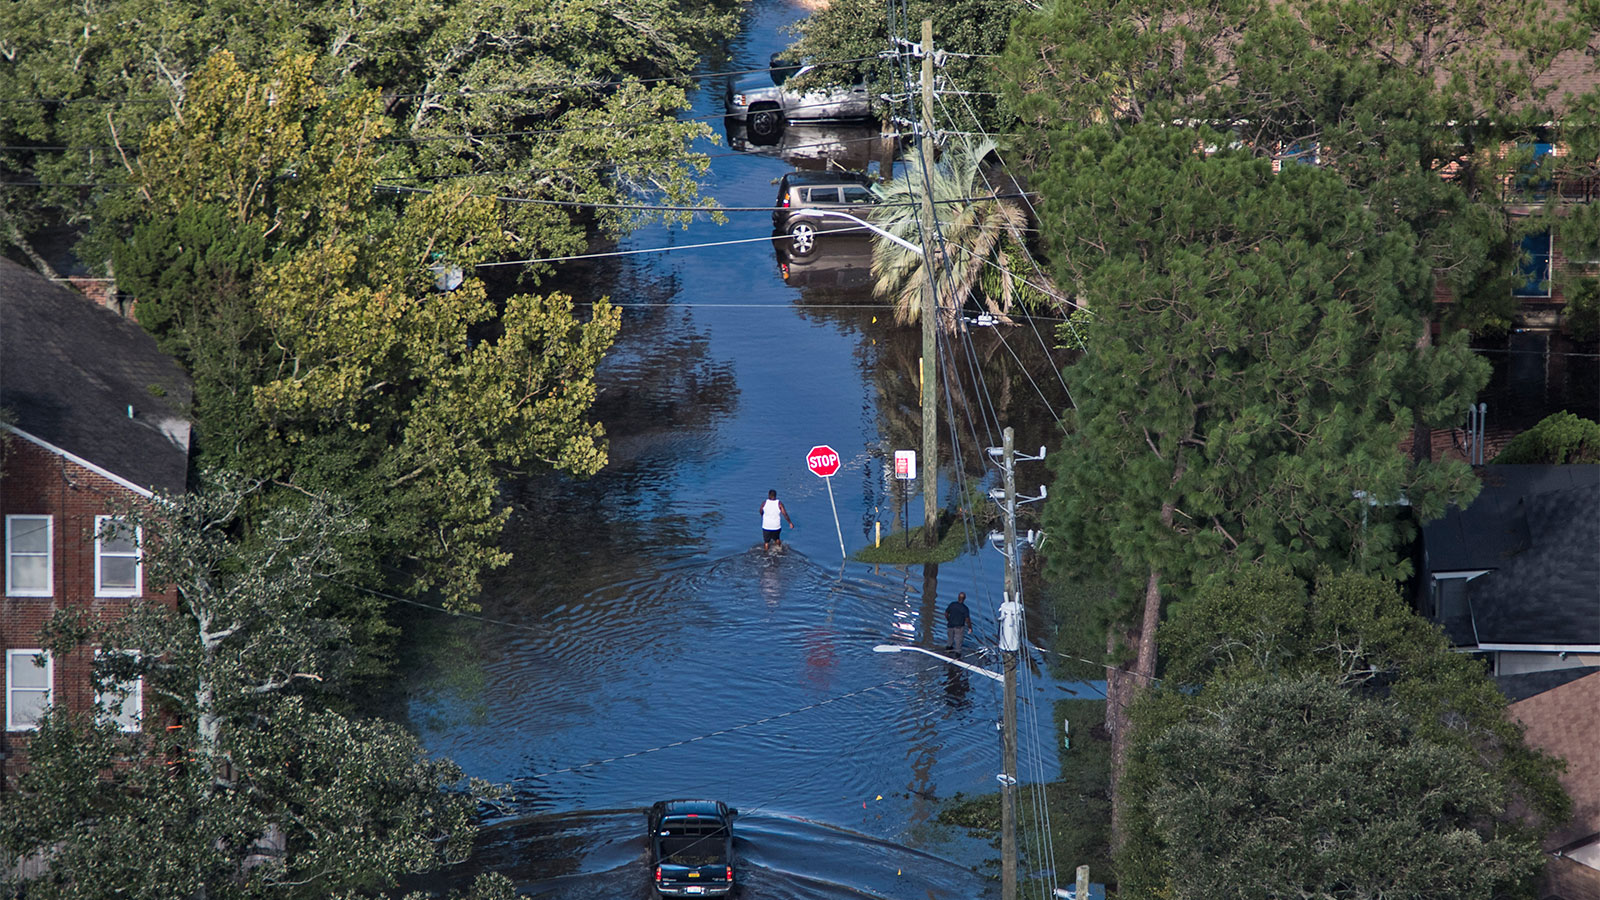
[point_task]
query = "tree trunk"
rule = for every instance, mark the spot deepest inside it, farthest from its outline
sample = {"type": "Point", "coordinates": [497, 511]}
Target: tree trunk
{"type": "Point", "coordinates": [1118, 695]}
{"type": "Point", "coordinates": [1124, 683]}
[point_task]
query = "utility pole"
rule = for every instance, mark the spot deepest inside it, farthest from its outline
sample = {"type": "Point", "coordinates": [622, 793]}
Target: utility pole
{"type": "Point", "coordinates": [1010, 644]}
{"type": "Point", "coordinates": [930, 303]}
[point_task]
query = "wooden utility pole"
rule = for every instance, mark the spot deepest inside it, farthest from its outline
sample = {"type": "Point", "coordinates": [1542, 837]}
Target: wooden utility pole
{"type": "Point", "coordinates": [930, 303]}
{"type": "Point", "coordinates": [1010, 628]}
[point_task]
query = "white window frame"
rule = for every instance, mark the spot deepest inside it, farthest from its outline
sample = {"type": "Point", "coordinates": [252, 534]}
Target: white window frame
{"type": "Point", "coordinates": [100, 553]}
{"type": "Point", "coordinates": [104, 698]}
{"type": "Point", "coordinates": [49, 691]}
{"type": "Point", "coordinates": [49, 558]}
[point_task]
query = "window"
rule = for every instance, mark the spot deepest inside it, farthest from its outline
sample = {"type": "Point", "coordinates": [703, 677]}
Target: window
{"type": "Point", "coordinates": [117, 571]}
{"type": "Point", "coordinates": [119, 702]}
{"type": "Point", "coordinates": [28, 679]}
{"type": "Point", "coordinates": [857, 194]}
{"type": "Point", "coordinates": [28, 547]}
{"type": "Point", "coordinates": [1296, 154]}
{"type": "Point", "coordinates": [1535, 266]}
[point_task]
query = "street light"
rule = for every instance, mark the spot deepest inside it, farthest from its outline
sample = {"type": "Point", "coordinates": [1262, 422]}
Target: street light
{"type": "Point", "coordinates": [898, 648]}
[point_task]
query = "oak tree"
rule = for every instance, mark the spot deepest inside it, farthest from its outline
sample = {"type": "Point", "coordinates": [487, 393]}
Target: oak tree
{"type": "Point", "coordinates": [326, 356]}
{"type": "Point", "coordinates": [1327, 742]}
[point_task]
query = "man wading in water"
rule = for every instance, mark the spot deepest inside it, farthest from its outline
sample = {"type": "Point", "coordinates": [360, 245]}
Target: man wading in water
{"type": "Point", "coordinates": [772, 516]}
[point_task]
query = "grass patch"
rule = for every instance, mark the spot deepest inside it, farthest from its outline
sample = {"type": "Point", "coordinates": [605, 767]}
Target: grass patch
{"type": "Point", "coordinates": [1079, 804]}
{"type": "Point", "coordinates": [895, 552]}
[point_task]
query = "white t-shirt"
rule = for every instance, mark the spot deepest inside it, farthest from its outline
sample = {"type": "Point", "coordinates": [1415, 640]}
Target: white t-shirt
{"type": "Point", "coordinates": [770, 520]}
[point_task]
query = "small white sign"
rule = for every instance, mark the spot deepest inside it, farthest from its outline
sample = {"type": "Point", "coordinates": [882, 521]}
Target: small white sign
{"type": "Point", "coordinates": [905, 465]}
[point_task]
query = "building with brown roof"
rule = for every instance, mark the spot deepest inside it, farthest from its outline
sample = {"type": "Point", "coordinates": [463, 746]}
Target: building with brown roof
{"type": "Point", "coordinates": [1563, 719]}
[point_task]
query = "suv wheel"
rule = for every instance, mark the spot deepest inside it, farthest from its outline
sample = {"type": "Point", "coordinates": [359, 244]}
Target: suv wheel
{"type": "Point", "coordinates": [802, 238]}
{"type": "Point", "coordinates": [765, 124]}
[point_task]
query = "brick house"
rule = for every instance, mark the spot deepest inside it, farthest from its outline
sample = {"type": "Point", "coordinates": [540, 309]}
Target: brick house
{"type": "Point", "coordinates": [91, 421]}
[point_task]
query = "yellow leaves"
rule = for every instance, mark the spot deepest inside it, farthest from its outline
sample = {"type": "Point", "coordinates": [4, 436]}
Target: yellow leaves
{"type": "Point", "coordinates": [272, 148]}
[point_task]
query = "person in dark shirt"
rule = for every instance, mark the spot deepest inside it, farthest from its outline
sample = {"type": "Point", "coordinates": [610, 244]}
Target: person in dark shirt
{"type": "Point", "coordinates": [957, 618]}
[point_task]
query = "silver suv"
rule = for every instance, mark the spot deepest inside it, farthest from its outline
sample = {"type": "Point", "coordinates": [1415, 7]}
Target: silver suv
{"type": "Point", "coordinates": [804, 198]}
{"type": "Point", "coordinates": [760, 103]}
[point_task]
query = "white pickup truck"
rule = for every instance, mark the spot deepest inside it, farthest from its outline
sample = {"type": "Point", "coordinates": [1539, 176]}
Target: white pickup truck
{"type": "Point", "coordinates": [760, 103]}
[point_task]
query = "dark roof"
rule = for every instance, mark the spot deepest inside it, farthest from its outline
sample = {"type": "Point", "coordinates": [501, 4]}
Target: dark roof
{"type": "Point", "coordinates": [1532, 684]}
{"type": "Point", "coordinates": [70, 370]}
{"type": "Point", "coordinates": [1549, 591]}
{"type": "Point", "coordinates": [1495, 527]}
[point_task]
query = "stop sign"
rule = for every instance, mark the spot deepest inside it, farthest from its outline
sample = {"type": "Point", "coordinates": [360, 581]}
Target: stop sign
{"type": "Point", "coordinates": [822, 461]}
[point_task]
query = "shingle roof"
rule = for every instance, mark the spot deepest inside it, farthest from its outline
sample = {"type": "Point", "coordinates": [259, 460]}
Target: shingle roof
{"type": "Point", "coordinates": [1548, 593]}
{"type": "Point", "coordinates": [1495, 526]}
{"type": "Point", "coordinates": [71, 371]}
{"type": "Point", "coordinates": [1532, 684]}
{"type": "Point", "coordinates": [1561, 721]}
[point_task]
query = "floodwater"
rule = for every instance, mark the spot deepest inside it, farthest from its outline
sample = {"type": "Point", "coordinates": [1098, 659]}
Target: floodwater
{"type": "Point", "coordinates": [643, 647]}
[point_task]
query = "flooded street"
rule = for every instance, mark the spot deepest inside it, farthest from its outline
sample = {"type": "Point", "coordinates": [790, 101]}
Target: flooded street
{"type": "Point", "coordinates": [642, 647]}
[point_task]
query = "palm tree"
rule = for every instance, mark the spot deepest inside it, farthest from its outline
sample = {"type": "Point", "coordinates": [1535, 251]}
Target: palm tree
{"type": "Point", "coordinates": [980, 245]}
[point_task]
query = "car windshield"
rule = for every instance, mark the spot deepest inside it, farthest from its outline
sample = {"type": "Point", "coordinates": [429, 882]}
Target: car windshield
{"type": "Point", "coordinates": [782, 70]}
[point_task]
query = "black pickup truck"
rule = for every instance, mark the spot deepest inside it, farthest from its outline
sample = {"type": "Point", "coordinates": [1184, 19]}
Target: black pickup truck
{"type": "Point", "coordinates": [691, 848]}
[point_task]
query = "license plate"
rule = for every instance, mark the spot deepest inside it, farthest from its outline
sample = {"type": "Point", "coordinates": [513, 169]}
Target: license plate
{"type": "Point", "coordinates": [694, 889]}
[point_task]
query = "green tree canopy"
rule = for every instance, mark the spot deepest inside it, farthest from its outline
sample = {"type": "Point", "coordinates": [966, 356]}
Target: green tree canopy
{"type": "Point", "coordinates": [572, 101]}
{"type": "Point", "coordinates": [1255, 358]}
{"type": "Point", "coordinates": [982, 239]}
{"type": "Point", "coordinates": [1252, 367]}
{"type": "Point", "coordinates": [325, 358]}
{"type": "Point", "coordinates": [1327, 743]}
{"type": "Point", "coordinates": [1559, 438]}
{"type": "Point", "coordinates": [1295, 788]}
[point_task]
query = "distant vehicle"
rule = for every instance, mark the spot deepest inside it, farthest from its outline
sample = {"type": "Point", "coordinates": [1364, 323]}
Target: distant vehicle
{"type": "Point", "coordinates": [691, 848]}
{"type": "Point", "coordinates": [803, 197]}
{"type": "Point", "coordinates": [760, 103]}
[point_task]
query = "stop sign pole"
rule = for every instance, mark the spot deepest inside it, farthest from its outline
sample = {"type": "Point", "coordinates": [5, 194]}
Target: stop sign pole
{"type": "Point", "coordinates": [823, 461]}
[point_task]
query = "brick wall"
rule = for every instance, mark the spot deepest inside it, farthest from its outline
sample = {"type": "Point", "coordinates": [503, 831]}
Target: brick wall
{"type": "Point", "coordinates": [38, 482]}
{"type": "Point", "coordinates": [102, 291]}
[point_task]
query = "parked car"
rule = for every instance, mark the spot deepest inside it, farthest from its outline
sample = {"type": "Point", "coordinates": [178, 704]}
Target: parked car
{"type": "Point", "coordinates": [761, 104]}
{"type": "Point", "coordinates": [691, 848]}
{"type": "Point", "coordinates": [803, 197]}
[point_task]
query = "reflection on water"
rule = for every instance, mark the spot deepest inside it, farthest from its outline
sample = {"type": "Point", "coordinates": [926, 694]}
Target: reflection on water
{"type": "Point", "coordinates": [861, 147]}
{"type": "Point", "coordinates": [840, 271]}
